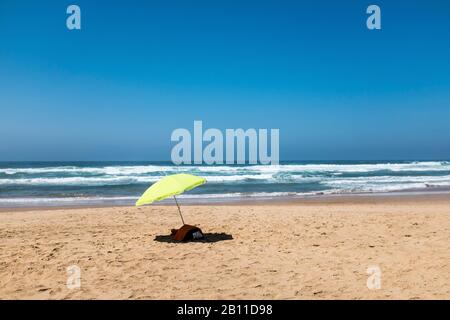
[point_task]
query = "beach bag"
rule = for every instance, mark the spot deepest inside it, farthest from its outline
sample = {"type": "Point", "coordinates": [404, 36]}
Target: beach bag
{"type": "Point", "coordinates": [187, 233]}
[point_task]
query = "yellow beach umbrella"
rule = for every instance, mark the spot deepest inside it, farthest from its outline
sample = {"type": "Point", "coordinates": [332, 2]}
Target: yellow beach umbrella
{"type": "Point", "coordinates": [170, 186]}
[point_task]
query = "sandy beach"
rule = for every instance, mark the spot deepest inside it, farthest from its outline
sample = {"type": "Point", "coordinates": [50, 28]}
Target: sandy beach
{"type": "Point", "coordinates": [318, 249]}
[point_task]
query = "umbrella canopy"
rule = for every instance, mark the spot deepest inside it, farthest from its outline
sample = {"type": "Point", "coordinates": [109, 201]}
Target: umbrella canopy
{"type": "Point", "coordinates": [170, 186]}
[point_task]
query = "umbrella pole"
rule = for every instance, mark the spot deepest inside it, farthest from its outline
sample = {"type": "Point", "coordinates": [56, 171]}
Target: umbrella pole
{"type": "Point", "coordinates": [179, 210]}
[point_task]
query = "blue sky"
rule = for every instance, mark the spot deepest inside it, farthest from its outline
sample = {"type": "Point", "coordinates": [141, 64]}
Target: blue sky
{"type": "Point", "coordinates": [116, 89]}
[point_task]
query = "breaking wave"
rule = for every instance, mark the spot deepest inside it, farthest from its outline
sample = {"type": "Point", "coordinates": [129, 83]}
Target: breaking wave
{"type": "Point", "coordinates": [78, 182]}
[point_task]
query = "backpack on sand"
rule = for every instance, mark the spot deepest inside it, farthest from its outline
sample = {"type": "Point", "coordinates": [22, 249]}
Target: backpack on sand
{"type": "Point", "coordinates": [187, 233]}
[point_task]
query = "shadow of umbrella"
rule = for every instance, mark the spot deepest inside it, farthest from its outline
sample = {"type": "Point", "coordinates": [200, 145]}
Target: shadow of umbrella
{"type": "Point", "coordinates": [209, 238]}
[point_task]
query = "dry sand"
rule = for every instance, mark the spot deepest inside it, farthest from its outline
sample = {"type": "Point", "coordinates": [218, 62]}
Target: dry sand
{"type": "Point", "coordinates": [296, 250]}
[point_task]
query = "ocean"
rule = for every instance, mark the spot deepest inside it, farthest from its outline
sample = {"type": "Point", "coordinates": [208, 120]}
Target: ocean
{"type": "Point", "coordinates": [97, 183]}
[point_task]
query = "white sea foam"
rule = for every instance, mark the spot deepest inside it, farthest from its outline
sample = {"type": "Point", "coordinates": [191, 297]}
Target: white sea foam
{"type": "Point", "coordinates": [31, 200]}
{"type": "Point", "coordinates": [79, 181]}
{"type": "Point", "coordinates": [147, 169]}
{"type": "Point", "coordinates": [119, 180]}
{"type": "Point", "coordinates": [387, 183]}
{"type": "Point", "coordinates": [189, 198]}
{"type": "Point", "coordinates": [56, 201]}
{"type": "Point", "coordinates": [395, 167]}
{"type": "Point", "coordinates": [328, 178]}
{"type": "Point", "coordinates": [109, 170]}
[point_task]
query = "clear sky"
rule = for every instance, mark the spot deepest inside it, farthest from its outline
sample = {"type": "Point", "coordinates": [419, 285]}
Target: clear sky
{"type": "Point", "coordinates": [137, 70]}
